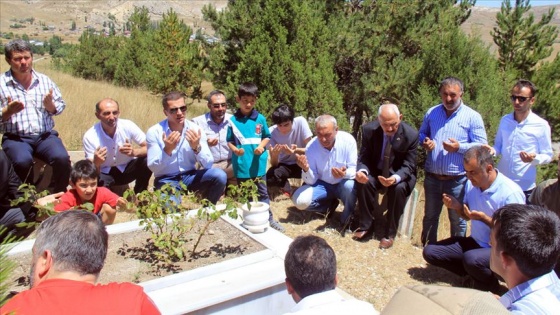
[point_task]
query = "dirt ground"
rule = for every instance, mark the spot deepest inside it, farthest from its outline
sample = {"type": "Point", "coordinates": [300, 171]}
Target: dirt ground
{"type": "Point", "coordinates": [365, 271]}
{"type": "Point", "coordinates": [130, 260]}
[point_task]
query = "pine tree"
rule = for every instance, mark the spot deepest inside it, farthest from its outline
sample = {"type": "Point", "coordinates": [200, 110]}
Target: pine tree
{"type": "Point", "coordinates": [521, 41]}
{"type": "Point", "coordinates": [282, 46]}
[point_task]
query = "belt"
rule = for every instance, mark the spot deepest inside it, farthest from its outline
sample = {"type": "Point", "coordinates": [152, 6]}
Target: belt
{"type": "Point", "coordinates": [444, 177]}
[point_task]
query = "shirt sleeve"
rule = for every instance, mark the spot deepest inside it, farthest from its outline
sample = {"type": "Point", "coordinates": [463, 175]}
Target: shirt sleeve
{"type": "Point", "coordinates": [136, 134]}
{"type": "Point", "coordinates": [67, 202]}
{"type": "Point", "coordinates": [544, 155]}
{"type": "Point", "coordinates": [477, 134]}
{"type": "Point", "coordinates": [156, 156]}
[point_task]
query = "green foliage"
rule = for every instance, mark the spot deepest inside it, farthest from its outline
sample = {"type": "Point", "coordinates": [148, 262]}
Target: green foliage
{"type": "Point", "coordinates": [283, 47]}
{"type": "Point", "coordinates": [547, 105]}
{"type": "Point", "coordinates": [168, 221]}
{"type": "Point", "coordinates": [30, 195]}
{"type": "Point", "coordinates": [521, 41]}
{"type": "Point", "coordinates": [6, 266]}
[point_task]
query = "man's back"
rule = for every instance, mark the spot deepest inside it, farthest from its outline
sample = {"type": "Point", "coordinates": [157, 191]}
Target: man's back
{"type": "Point", "coordinates": [61, 296]}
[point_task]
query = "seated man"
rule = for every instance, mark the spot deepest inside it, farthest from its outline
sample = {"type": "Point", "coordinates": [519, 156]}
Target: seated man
{"type": "Point", "coordinates": [215, 124]}
{"type": "Point", "coordinates": [328, 170]}
{"type": "Point", "coordinates": [176, 146]}
{"type": "Point", "coordinates": [486, 191]}
{"type": "Point", "coordinates": [28, 102]}
{"type": "Point", "coordinates": [288, 137]}
{"type": "Point", "coordinates": [311, 279]}
{"type": "Point", "coordinates": [525, 248]}
{"type": "Point", "coordinates": [68, 255]}
{"type": "Point", "coordinates": [109, 144]}
{"type": "Point", "coordinates": [83, 180]}
{"type": "Point", "coordinates": [23, 212]}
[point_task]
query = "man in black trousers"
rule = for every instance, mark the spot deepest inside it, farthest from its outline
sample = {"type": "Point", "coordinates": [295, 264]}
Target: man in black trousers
{"type": "Point", "coordinates": [386, 164]}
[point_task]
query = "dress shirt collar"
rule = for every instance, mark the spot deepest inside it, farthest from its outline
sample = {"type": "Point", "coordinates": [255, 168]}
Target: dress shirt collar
{"type": "Point", "coordinates": [253, 115]}
{"type": "Point", "coordinates": [525, 288]}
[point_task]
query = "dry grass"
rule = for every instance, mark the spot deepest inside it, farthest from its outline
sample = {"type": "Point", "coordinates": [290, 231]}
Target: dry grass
{"type": "Point", "coordinates": [140, 106]}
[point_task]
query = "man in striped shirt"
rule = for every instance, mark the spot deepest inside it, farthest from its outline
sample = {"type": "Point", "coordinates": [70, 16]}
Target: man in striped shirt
{"type": "Point", "coordinates": [447, 132]}
{"type": "Point", "coordinates": [28, 101]}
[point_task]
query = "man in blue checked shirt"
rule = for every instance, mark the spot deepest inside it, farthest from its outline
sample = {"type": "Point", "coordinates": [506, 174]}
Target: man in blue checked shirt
{"type": "Point", "coordinates": [447, 132]}
{"type": "Point", "coordinates": [29, 100]}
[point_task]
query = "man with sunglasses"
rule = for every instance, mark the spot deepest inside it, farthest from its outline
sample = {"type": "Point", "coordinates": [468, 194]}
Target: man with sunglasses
{"type": "Point", "coordinates": [176, 147]}
{"type": "Point", "coordinates": [215, 125]}
{"type": "Point", "coordinates": [523, 139]}
{"type": "Point", "coordinates": [117, 147]}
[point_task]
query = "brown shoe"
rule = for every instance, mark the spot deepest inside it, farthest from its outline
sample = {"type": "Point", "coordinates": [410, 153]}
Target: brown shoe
{"type": "Point", "coordinates": [358, 235]}
{"type": "Point", "coordinates": [386, 243]}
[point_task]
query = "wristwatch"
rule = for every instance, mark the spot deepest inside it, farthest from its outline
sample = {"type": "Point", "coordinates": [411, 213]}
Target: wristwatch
{"type": "Point", "coordinates": [197, 150]}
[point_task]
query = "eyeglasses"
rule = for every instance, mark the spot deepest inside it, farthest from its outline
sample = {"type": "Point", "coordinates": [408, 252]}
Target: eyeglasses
{"type": "Point", "coordinates": [218, 105]}
{"type": "Point", "coordinates": [174, 110]}
{"type": "Point", "coordinates": [521, 99]}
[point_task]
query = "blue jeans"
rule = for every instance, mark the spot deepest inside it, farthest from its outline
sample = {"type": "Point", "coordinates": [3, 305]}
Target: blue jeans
{"type": "Point", "coordinates": [434, 190]}
{"type": "Point", "coordinates": [210, 183]}
{"type": "Point", "coordinates": [319, 196]}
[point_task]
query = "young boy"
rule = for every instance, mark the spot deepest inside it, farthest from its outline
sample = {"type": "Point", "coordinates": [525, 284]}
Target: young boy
{"type": "Point", "coordinates": [247, 138]}
{"type": "Point", "coordinates": [288, 137]}
{"type": "Point", "coordinates": [83, 180]}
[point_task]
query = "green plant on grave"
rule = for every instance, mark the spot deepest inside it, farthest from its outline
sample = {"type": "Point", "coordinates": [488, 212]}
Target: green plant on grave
{"type": "Point", "coordinates": [43, 206]}
{"type": "Point", "coordinates": [166, 220]}
{"type": "Point", "coordinates": [245, 193]}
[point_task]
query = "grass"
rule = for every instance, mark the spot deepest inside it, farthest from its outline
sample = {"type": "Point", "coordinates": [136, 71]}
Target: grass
{"type": "Point", "coordinates": [80, 95]}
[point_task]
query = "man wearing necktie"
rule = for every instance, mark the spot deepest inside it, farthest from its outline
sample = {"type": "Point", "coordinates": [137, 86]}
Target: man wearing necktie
{"type": "Point", "coordinates": [386, 164]}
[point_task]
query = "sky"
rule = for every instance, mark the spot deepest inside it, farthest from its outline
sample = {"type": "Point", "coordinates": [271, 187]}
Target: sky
{"type": "Point", "coordinates": [498, 3]}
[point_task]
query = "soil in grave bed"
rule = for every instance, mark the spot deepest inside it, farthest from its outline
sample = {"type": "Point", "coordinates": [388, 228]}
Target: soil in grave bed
{"type": "Point", "coordinates": [129, 258]}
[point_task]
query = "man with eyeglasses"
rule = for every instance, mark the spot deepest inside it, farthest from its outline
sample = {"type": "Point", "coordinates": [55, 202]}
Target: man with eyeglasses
{"type": "Point", "coordinates": [117, 147]}
{"type": "Point", "coordinates": [215, 125]}
{"type": "Point", "coordinates": [176, 146]}
{"type": "Point", "coordinates": [523, 139]}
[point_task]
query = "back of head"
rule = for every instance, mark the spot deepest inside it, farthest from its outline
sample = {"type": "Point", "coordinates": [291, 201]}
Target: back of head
{"type": "Point", "coordinates": [77, 240]}
{"type": "Point", "coordinates": [530, 235]}
{"type": "Point", "coordinates": [16, 45]}
{"type": "Point", "coordinates": [248, 89]}
{"type": "Point", "coordinates": [481, 154]}
{"type": "Point", "coordinates": [310, 265]}
{"type": "Point", "coordinates": [83, 169]}
{"type": "Point", "coordinates": [282, 114]}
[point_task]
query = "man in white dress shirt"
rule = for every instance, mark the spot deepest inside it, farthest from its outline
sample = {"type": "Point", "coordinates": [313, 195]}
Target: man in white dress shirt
{"type": "Point", "coordinates": [311, 279]}
{"type": "Point", "coordinates": [328, 170]}
{"type": "Point", "coordinates": [523, 139]}
{"type": "Point", "coordinates": [117, 147]}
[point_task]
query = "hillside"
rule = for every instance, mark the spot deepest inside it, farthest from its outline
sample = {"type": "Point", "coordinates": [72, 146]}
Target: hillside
{"type": "Point", "coordinates": [56, 16]}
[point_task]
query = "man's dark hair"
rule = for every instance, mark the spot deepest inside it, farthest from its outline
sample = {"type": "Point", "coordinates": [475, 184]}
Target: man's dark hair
{"type": "Point", "coordinates": [530, 235]}
{"type": "Point", "coordinates": [171, 96]}
{"type": "Point", "coordinates": [310, 265]}
{"type": "Point", "coordinates": [248, 89]}
{"type": "Point", "coordinates": [77, 240]}
{"type": "Point", "coordinates": [282, 114]}
{"type": "Point", "coordinates": [521, 83]}
{"type": "Point", "coordinates": [451, 81]}
{"type": "Point", "coordinates": [215, 92]}
{"type": "Point", "coordinates": [481, 154]}
{"type": "Point", "coordinates": [16, 45]}
{"type": "Point", "coordinates": [97, 110]}
{"type": "Point", "coordinates": [83, 169]}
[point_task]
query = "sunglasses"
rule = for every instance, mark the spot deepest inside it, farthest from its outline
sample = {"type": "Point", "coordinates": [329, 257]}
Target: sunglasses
{"type": "Point", "coordinates": [521, 99]}
{"type": "Point", "coordinates": [174, 110]}
{"type": "Point", "coordinates": [218, 105]}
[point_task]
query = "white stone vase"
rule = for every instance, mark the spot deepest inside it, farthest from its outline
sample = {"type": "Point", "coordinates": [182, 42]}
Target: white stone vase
{"type": "Point", "coordinates": [256, 219]}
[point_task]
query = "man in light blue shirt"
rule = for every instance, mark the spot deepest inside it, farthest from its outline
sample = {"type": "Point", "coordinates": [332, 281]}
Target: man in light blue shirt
{"type": "Point", "coordinates": [523, 139]}
{"type": "Point", "coordinates": [328, 170]}
{"type": "Point", "coordinates": [525, 247]}
{"type": "Point", "coordinates": [486, 191]}
{"type": "Point", "coordinates": [176, 146]}
{"type": "Point", "coordinates": [215, 125]}
{"type": "Point", "coordinates": [447, 132]}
